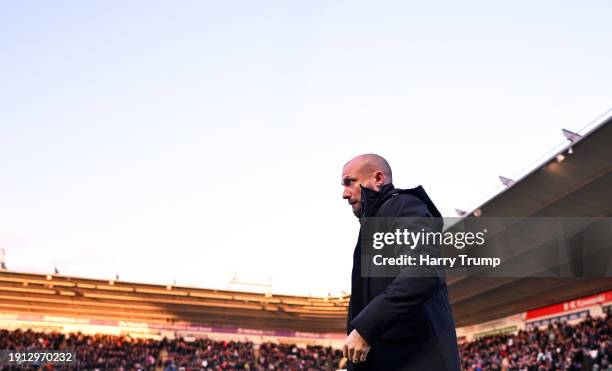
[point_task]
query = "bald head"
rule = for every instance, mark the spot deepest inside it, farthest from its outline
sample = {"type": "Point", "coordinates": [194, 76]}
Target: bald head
{"type": "Point", "coordinates": [371, 162]}
{"type": "Point", "coordinates": [370, 171]}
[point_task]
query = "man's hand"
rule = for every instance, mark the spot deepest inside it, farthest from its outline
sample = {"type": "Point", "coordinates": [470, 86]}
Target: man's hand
{"type": "Point", "coordinates": [355, 347]}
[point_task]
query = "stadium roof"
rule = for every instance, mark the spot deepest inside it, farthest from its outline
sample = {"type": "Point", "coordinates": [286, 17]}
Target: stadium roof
{"type": "Point", "coordinates": [580, 184]}
{"type": "Point", "coordinates": [91, 298]}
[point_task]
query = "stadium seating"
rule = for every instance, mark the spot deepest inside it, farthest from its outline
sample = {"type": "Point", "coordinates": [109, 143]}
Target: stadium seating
{"type": "Point", "coordinates": [585, 346]}
{"type": "Point", "coordinates": [582, 346]}
{"type": "Point", "coordinates": [104, 352]}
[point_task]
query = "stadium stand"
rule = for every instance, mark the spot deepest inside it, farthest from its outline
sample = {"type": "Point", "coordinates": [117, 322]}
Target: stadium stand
{"type": "Point", "coordinates": [65, 304]}
{"type": "Point", "coordinates": [103, 352]}
{"type": "Point", "coordinates": [560, 346]}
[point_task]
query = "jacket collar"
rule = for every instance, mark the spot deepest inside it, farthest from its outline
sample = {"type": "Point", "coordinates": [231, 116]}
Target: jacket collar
{"type": "Point", "coordinates": [371, 199]}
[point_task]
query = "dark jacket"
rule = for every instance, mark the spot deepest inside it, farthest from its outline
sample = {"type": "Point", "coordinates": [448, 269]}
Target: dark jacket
{"type": "Point", "coordinates": [407, 320]}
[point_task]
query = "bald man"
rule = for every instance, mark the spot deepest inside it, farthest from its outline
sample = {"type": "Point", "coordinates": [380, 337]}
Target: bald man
{"type": "Point", "coordinates": [402, 322]}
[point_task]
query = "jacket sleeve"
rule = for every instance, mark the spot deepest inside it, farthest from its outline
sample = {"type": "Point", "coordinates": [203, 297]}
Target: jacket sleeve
{"type": "Point", "coordinates": [406, 293]}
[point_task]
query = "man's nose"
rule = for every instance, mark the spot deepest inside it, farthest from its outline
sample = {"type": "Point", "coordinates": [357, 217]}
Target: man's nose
{"type": "Point", "coordinates": [346, 194]}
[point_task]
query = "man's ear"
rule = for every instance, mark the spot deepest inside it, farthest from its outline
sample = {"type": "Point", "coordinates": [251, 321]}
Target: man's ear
{"type": "Point", "coordinates": [380, 178]}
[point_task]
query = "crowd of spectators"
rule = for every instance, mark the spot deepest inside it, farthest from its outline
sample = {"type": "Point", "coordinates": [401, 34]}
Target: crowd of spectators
{"type": "Point", "coordinates": [110, 352]}
{"type": "Point", "coordinates": [561, 346]}
{"type": "Point", "coordinates": [583, 346]}
{"type": "Point", "coordinates": [274, 356]}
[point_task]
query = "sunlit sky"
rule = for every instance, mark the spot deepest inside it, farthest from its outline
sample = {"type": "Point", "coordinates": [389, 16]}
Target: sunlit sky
{"type": "Point", "coordinates": [188, 141]}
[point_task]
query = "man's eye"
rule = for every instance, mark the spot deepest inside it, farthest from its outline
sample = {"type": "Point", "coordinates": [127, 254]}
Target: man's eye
{"type": "Point", "coordinates": [347, 182]}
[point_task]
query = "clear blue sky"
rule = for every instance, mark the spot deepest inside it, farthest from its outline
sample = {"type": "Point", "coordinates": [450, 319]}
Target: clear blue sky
{"type": "Point", "coordinates": [190, 140]}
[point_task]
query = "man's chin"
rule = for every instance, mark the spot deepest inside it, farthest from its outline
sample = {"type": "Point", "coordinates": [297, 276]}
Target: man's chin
{"type": "Point", "coordinates": [357, 212]}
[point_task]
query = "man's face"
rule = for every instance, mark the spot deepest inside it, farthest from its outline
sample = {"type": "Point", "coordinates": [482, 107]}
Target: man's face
{"type": "Point", "coordinates": [355, 175]}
